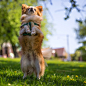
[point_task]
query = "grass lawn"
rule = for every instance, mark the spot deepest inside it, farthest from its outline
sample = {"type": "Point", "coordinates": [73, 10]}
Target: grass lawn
{"type": "Point", "coordinates": [57, 73]}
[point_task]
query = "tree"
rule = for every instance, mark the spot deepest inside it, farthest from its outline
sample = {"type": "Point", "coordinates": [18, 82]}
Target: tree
{"type": "Point", "coordinates": [10, 13]}
{"type": "Point", "coordinates": [68, 9]}
{"type": "Point", "coordinates": [76, 55]}
{"type": "Point", "coordinates": [81, 36]}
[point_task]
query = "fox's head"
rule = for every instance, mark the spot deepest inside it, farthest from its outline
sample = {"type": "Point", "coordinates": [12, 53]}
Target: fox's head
{"type": "Point", "coordinates": [31, 10]}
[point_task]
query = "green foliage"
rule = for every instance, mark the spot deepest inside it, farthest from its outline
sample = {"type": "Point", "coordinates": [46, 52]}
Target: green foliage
{"type": "Point", "coordinates": [10, 13]}
{"type": "Point", "coordinates": [52, 57]}
{"type": "Point", "coordinates": [44, 26]}
{"type": "Point", "coordinates": [81, 31]}
{"type": "Point", "coordinates": [84, 57]}
{"type": "Point", "coordinates": [81, 35]}
{"type": "Point", "coordinates": [83, 52]}
{"type": "Point", "coordinates": [56, 74]}
{"type": "Point", "coordinates": [72, 57]}
{"type": "Point", "coordinates": [76, 55]}
{"type": "Point", "coordinates": [56, 55]}
{"type": "Point", "coordinates": [74, 5]}
{"type": "Point", "coordinates": [9, 21]}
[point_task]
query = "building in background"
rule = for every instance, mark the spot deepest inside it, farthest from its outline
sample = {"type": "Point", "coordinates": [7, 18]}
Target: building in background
{"type": "Point", "coordinates": [6, 50]}
{"type": "Point", "coordinates": [59, 52]}
{"type": "Point", "coordinates": [47, 52]}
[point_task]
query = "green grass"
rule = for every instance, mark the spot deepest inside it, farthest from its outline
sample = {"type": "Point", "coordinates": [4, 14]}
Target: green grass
{"type": "Point", "coordinates": [56, 74]}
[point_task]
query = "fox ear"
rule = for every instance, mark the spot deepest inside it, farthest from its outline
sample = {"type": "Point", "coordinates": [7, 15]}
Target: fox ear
{"type": "Point", "coordinates": [24, 8]}
{"type": "Point", "coordinates": [39, 8]}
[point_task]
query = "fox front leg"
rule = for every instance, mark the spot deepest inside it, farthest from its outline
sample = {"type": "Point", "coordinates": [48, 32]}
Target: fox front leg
{"type": "Point", "coordinates": [33, 31]}
{"type": "Point", "coordinates": [27, 30]}
{"type": "Point", "coordinates": [22, 31]}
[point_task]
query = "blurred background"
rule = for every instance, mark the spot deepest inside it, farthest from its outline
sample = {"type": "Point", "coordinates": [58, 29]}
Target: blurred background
{"type": "Point", "coordinates": [63, 26]}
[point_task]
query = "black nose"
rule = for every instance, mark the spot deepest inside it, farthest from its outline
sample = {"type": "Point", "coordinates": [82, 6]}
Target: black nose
{"type": "Point", "coordinates": [31, 9]}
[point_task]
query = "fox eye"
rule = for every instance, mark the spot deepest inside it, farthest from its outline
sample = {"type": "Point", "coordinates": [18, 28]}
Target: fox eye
{"type": "Point", "coordinates": [28, 8]}
{"type": "Point", "coordinates": [35, 9]}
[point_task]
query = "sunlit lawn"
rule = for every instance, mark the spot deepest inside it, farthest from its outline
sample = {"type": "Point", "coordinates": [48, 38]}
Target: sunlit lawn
{"type": "Point", "coordinates": [57, 73]}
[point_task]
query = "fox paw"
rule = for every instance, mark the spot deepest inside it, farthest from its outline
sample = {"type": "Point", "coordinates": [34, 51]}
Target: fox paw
{"type": "Point", "coordinates": [28, 31]}
{"type": "Point", "coordinates": [33, 33]}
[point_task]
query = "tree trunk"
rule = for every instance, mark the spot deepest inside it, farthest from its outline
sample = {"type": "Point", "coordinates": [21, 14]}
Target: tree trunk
{"type": "Point", "coordinates": [14, 51]}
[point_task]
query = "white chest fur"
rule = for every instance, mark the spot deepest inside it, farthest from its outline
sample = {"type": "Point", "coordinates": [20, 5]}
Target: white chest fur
{"type": "Point", "coordinates": [27, 63]}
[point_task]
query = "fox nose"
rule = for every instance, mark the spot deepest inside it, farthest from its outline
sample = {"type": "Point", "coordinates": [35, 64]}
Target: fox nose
{"type": "Point", "coordinates": [31, 9]}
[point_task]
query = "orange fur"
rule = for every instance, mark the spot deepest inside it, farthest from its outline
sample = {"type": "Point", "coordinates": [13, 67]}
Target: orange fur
{"type": "Point", "coordinates": [38, 10]}
{"type": "Point", "coordinates": [32, 60]}
{"type": "Point", "coordinates": [31, 14]}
